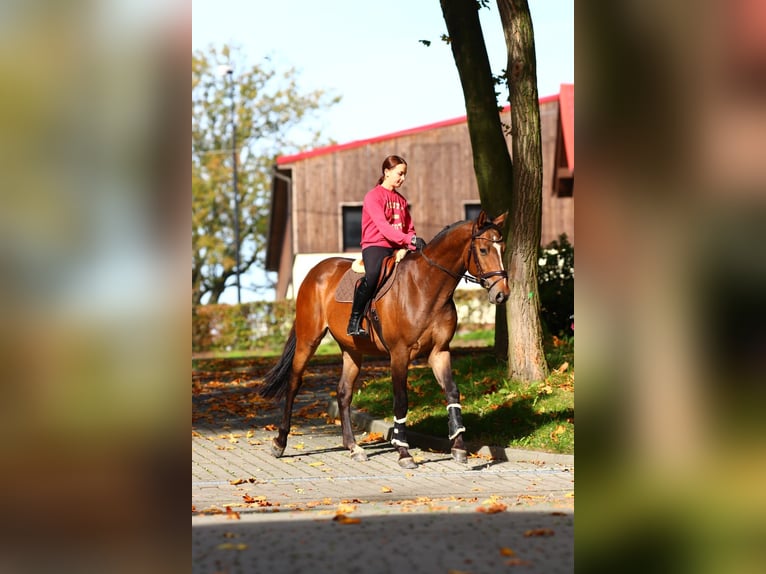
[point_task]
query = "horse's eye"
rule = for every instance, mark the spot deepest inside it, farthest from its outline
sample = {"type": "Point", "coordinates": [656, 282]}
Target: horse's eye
{"type": "Point", "coordinates": [483, 250]}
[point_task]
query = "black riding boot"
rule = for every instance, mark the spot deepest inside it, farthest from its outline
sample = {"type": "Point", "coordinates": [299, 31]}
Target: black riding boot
{"type": "Point", "coordinates": [361, 296]}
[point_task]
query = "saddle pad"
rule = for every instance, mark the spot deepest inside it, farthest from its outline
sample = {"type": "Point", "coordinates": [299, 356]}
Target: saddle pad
{"type": "Point", "coordinates": [344, 292]}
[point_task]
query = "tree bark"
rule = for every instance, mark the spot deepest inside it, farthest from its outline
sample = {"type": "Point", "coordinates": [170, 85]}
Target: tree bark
{"type": "Point", "coordinates": [526, 357]}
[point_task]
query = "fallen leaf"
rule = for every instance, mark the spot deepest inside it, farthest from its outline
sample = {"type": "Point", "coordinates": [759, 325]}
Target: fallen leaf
{"type": "Point", "coordinates": [507, 551]}
{"type": "Point", "coordinates": [230, 514]}
{"type": "Point", "coordinates": [231, 546]}
{"type": "Point", "coordinates": [385, 489]}
{"type": "Point", "coordinates": [539, 532]}
{"type": "Point", "coordinates": [345, 508]}
{"type": "Point", "coordinates": [270, 427]}
{"type": "Point", "coordinates": [343, 519]}
{"type": "Point", "coordinates": [249, 499]}
{"type": "Point", "coordinates": [318, 463]}
{"type": "Point", "coordinates": [237, 481]}
{"type": "Point", "coordinates": [372, 437]}
{"type": "Point", "coordinates": [493, 508]}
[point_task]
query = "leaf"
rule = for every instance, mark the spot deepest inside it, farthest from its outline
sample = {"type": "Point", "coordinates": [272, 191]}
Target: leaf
{"type": "Point", "coordinates": [343, 519]}
{"type": "Point", "coordinates": [249, 499]}
{"type": "Point", "coordinates": [507, 551]}
{"type": "Point", "coordinates": [539, 532]}
{"type": "Point", "coordinates": [231, 546]}
{"type": "Point", "coordinates": [270, 427]}
{"type": "Point", "coordinates": [385, 489]}
{"type": "Point", "coordinates": [317, 463]}
{"type": "Point", "coordinates": [345, 508]}
{"type": "Point", "coordinates": [372, 437]}
{"type": "Point", "coordinates": [237, 481]}
{"type": "Point", "coordinates": [230, 514]}
{"type": "Point", "coordinates": [562, 369]}
{"type": "Point", "coordinates": [492, 508]}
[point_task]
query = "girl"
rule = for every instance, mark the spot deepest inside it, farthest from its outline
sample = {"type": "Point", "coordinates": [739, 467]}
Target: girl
{"type": "Point", "coordinates": [386, 227]}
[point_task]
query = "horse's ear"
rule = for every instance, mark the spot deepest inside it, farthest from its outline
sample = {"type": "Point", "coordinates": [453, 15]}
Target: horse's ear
{"type": "Point", "coordinates": [482, 219]}
{"type": "Point", "coordinates": [500, 219]}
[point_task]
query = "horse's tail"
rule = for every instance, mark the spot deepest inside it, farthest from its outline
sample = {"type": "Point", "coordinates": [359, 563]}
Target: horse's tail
{"type": "Point", "coordinates": [276, 381]}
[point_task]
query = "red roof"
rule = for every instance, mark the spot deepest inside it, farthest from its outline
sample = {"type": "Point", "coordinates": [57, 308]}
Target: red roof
{"type": "Point", "coordinates": [462, 119]}
{"type": "Point", "coordinates": [566, 105]}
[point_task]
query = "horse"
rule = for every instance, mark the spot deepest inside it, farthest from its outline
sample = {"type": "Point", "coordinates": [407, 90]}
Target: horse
{"type": "Point", "coordinates": [416, 316]}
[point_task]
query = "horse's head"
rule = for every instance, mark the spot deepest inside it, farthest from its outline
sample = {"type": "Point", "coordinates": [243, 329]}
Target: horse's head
{"type": "Point", "coordinates": [485, 258]}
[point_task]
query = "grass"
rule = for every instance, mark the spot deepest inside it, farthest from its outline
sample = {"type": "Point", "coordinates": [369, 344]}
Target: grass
{"type": "Point", "coordinates": [496, 411]}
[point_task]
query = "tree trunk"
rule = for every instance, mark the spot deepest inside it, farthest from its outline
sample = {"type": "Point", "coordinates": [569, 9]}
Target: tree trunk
{"type": "Point", "coordinates": [491, 162]}
{"type": "Point", "coordinates": [526, 357]}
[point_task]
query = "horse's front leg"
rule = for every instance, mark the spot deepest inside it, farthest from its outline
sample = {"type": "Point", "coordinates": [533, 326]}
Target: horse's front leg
{"type": "Point", "coordinates": [399, 439]}
{"type": "Point", "coordinates": [441, 364]}
{"type": "Point", "coordinates": [348, 381]}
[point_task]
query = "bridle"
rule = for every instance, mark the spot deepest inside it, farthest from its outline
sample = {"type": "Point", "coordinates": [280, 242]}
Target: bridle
{"type": "Point", "coordinates": [481, 277]}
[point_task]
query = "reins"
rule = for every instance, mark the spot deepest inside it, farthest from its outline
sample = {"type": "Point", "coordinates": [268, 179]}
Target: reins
{"type": "Point", "coordinates": [482, 276]}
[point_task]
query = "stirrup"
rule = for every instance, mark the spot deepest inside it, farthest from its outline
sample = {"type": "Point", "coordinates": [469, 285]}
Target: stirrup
{"type": "Point", "coordinates": [356, 330]}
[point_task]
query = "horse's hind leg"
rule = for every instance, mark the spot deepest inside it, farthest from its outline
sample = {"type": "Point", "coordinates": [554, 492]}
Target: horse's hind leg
{"type": "Point", "coordinates": [441, 364]}
{"type": "Point", "coordinates": [348, 380]}
{"type": "Point", "coordinates": [304, 350]}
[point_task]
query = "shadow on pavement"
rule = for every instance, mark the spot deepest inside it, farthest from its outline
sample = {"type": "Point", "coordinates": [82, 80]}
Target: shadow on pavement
{"type": "Point", "coordinates": [315, 542]}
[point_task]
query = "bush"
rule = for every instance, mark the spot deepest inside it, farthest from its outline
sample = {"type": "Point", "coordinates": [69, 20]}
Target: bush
{"type": "Point", "coordinates": [555, 283]}
{"type": "Point", "coordinates": [257, 325]}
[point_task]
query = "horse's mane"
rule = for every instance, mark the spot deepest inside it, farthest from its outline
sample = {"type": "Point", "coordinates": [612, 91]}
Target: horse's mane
{"type": "Point", "coordinates": [447, 229]}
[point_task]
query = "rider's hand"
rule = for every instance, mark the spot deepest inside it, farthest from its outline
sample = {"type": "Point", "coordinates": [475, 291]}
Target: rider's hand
{"type": "Point", "coordinates": [418, 243]}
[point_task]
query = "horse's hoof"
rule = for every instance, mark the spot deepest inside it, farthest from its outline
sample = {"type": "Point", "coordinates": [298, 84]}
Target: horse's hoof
{"type": "Point", "coordinates": [460, 455]}
{"type": "Point", "coordinates": [276, 450]}
{"type": "Point", "coordinates": [358, 454]}
{"type": "Point", "coordinates": [407, 463]}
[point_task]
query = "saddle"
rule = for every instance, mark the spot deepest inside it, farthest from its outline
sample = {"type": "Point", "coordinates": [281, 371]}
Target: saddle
{"type": "Point", "coordinates": [344, 293]}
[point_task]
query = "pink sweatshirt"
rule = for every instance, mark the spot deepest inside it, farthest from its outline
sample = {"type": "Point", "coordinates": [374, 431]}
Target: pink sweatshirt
{"type": "Point", "coordinates": [386, 219]}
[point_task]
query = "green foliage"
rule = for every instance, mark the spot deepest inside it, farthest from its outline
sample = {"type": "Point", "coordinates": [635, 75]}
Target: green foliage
{"type": "Point", "coordinates": [555, 281]}
{"type": "Point", "coordinates": [262, 325]}
{"type": "Point", "coordinates": [272, 117]}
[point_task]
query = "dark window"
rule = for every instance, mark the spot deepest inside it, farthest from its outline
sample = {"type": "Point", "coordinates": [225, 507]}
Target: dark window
{"type": "Point", "coordinates": [472, 211]}
{"type": "Point", "coordinates": [565, 187]}
{"type": "Point", "coordinates": [352, 227]}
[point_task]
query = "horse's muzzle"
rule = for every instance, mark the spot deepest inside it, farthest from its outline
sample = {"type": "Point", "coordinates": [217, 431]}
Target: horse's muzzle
{"type": "Point", "coordinates": [499, 292]}
{"type": "Point", "coordinates": [498, 298]}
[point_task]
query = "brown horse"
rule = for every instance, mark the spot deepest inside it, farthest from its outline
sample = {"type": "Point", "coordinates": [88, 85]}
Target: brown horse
{"type": "Point", "coordinates": [417, 316]}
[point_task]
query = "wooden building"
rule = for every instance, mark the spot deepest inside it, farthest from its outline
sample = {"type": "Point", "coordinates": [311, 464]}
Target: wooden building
{"type": "Point", "coordinates": [317, 195]}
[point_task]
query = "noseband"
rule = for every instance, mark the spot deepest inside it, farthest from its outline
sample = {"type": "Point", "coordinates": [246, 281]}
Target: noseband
{"type": "Point", "coordinates": [481, 277]}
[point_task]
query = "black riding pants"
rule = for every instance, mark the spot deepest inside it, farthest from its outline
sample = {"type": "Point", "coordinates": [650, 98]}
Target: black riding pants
{"type": "Point", "coordinates": [373, 261]}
